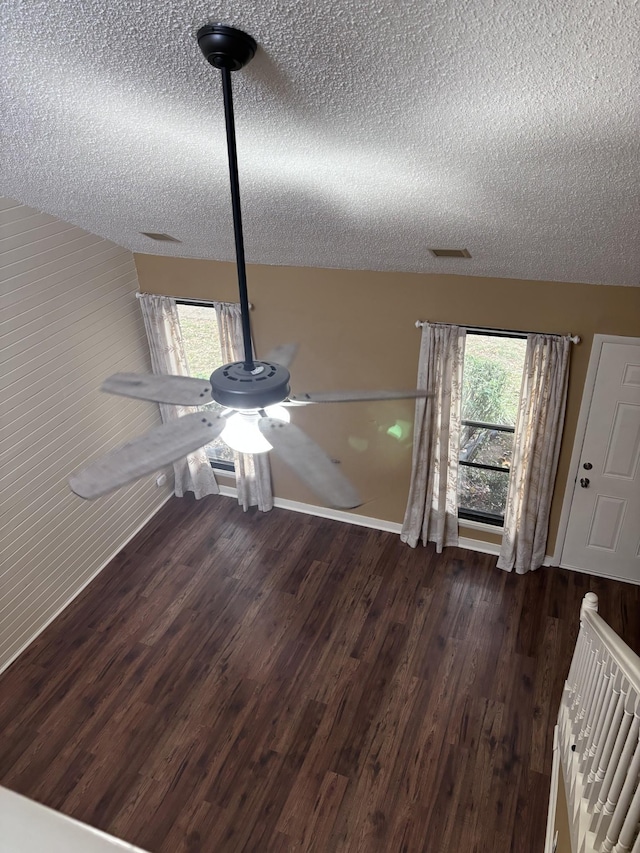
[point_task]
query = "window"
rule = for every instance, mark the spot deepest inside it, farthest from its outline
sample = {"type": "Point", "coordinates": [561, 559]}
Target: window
{"type": "Point", "coordinates": [493, 365]}
{"type": "Point", "coordinates": [201, 340]}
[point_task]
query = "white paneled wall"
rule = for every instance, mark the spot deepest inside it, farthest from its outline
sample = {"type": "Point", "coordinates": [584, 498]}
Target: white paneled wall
{"type": "Point", "coordinates": [68, 318]}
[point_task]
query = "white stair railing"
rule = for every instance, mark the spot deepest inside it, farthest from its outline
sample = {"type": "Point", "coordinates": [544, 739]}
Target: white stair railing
{"type": "Point", "coordinates": [599, 739]}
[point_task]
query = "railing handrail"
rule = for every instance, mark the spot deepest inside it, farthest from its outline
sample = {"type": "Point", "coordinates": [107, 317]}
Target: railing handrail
{"type": "Point", "coordinates": [626, 659]}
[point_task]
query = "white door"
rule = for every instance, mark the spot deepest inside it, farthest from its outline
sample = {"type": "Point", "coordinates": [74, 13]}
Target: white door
{"type": "Point", "coordinates": [603, 534]}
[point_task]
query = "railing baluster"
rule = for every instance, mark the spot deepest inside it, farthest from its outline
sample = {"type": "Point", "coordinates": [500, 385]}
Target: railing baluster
{"type": "Point", "coordinates": [582, 674]}
{"type": "Point", "coordinates": [605, 721]}
{"type": "Point", "coordinates": [630, 826]}
{"type": "Point", "coordinates": [577, 665]}
{"type": "Point", "coordinates": [616, 730]}
{"type": "Point", "coordinates": [636, 846]}
{"type": "Point", "coordinates": [595, 710]}
{"type": "Point", "coordinates": [591, 674]}
{"type": "Point", "coordinates": [599, 739]}
{"type": "Point", "coordinates": [629, 782]}
{"type": "Point", "coordinates": [615, 775]}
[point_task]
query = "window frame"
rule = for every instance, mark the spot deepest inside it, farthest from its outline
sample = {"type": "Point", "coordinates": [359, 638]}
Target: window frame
{"type": "Point", "coordinates": [476, 515]}
{"type": "Point", "coordinates": [217, 464]}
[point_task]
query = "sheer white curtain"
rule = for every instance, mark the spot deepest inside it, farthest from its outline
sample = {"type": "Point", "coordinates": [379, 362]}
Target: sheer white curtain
{"type": "Point", "coordinates": [536, 448]}
{"type": "Point", "coordinates": [194, 472]}
{"type": "Point", "coordinates": [253, 473]}
{"type": "Point", "coordinates": [432, 508]}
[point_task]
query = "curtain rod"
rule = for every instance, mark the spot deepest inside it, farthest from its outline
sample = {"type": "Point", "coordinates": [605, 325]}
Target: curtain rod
{"type": "Point", "coordinates": [139, 295]}
{"type": "Point", "coordinates": [575, 339]}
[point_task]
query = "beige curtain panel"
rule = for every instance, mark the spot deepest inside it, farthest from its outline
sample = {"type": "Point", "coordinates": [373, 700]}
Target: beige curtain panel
{"type": "Point", "coordinates": [432, 508]}
{"type": "Point", "coordinates": [536, 448]}
{"type": "Point", "coordinates": [253, 473]}
{"type": "Point", "coordinates": [194, 472]}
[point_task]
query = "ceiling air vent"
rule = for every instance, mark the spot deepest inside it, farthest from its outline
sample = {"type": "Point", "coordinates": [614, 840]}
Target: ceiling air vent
{"type": "Point", "coordinates": [450, 253]}
{"type": "Point", "coordinates": [161, 238]}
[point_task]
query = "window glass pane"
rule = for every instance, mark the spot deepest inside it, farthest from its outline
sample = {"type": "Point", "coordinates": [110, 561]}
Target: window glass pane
{"type": "Point", "coordinates": [488, 446]}
{"type": "Point", "coordinates": [490, 393]}
{"type": "Point", "coordinates": [492, 378]}
{"type": "Point", "coordinates": [199, 329]}
{"type": "Point", "coordinates": [201, 340]}
{"type": "Point", "coordinates": [485, 491]}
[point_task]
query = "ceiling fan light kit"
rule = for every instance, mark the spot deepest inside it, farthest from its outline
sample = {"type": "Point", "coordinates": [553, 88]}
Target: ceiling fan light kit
{"type": "Point", "coordinates": [250, 390]}
{"type": "Point", "coordinates": [242, 432]}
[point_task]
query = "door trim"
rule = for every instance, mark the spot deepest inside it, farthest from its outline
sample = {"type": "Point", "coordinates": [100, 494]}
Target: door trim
{"type": "Point", "coordinates": [581, 429]}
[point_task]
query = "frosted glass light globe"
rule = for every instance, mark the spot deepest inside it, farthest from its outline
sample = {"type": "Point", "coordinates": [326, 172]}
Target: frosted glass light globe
{"type": "Point", "coordinates": [278, 412]}
{"type": "Point", "coordinates": [242, 434]}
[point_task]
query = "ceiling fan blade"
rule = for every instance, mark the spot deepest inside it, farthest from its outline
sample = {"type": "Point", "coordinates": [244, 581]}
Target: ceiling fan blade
{"type": "Point", "coordinates": [145, 454]}
{"type": "Point", "coordinates": [282, 355]}
{"type": "Point", "coordinates": [179, 390]}
{"type": "Point", "coordinates": [355, 396]}
{"type": "Point", "coordinates": [309, 461]}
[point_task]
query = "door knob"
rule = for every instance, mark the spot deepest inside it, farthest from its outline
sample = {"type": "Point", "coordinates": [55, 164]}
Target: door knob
{"type": "Point", "coordinates": [587, 466]}
{"type": "Point", "coordinates": [584, 482]}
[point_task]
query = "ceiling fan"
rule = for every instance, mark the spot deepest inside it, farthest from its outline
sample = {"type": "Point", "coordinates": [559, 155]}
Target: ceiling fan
{"type": "Point", "coordinates": [248, 389]}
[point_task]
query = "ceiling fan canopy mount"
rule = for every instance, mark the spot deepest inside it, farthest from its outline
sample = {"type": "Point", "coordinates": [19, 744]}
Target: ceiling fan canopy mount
{"type": "Point", "coordinates": [226, 47]}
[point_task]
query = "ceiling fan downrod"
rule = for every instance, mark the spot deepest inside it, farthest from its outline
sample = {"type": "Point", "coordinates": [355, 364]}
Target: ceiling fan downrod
{"type": "Point", "coordinates": [228, 49]}
{"type": "Point", "coordinates": [250, 384]}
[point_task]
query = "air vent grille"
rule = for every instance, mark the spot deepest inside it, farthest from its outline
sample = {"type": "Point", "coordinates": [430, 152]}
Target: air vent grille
{"type": "Point", "coordinates": [161, 238]}
{"type": "Point", "coordinates": [450, 253]}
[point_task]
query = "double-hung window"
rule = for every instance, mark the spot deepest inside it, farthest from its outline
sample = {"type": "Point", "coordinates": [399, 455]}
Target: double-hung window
{"type": "Point", "coordinates": [493, 365]}
{"type": "Point", "coordinates": [201, 341]}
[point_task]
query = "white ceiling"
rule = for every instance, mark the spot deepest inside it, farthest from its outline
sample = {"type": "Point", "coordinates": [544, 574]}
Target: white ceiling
{"type": "Point", "coordinates": [367, 132]}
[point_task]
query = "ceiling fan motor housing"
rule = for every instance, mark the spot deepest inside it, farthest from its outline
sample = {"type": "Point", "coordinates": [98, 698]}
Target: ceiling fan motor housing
{"type": "Point", "coordinates": [234, 386]}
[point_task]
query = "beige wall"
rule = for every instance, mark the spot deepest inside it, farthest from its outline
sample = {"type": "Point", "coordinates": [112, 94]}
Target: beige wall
{"type": "Point", "coordinates": [356, 329]}
{"type": "Point", "coordinates": [69, 318]}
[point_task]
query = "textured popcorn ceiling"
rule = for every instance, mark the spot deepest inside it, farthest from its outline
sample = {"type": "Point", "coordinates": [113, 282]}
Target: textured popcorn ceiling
{"type": "Point", "coordinates": [367, 131]}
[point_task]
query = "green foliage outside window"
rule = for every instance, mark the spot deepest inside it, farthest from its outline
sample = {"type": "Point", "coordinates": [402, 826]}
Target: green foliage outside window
{"type": "Point", "coordinates": [201, 341]}
{"type": "Point", "coordinates": [483, 391]}
{"type": "Point", "coordinates": [491, 391]}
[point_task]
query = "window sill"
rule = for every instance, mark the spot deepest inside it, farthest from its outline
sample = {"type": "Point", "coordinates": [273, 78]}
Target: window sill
{"type": "Point", "coordinates": [224, 472]}
{"type": "Point", "coordinates": [480, 525]}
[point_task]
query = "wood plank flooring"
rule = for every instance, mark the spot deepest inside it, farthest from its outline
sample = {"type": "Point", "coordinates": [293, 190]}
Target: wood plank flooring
{"type": "Point", "coordinates": [276, 682]}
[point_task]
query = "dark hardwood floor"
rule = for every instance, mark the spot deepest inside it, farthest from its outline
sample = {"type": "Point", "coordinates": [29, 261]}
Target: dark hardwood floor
{"type": "Point", "coordinates": [276, 682]}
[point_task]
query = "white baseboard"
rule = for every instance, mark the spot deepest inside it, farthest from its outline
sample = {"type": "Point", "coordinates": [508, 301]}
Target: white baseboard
{"type": "Point", "coordinates": [368, 521]}
{"type": "Point", "coordinates": [340, 515]}
{"type": "Point", "coordinates": [326, 512]}
{"type": "Point", "coordinates": [479, 545]}
{"type": "Point", "coordinates": [489, 548]}
{"type": "Point", "coordinates": [84, 585]}
{"type": "Point", "coordinates": [599, 574]}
